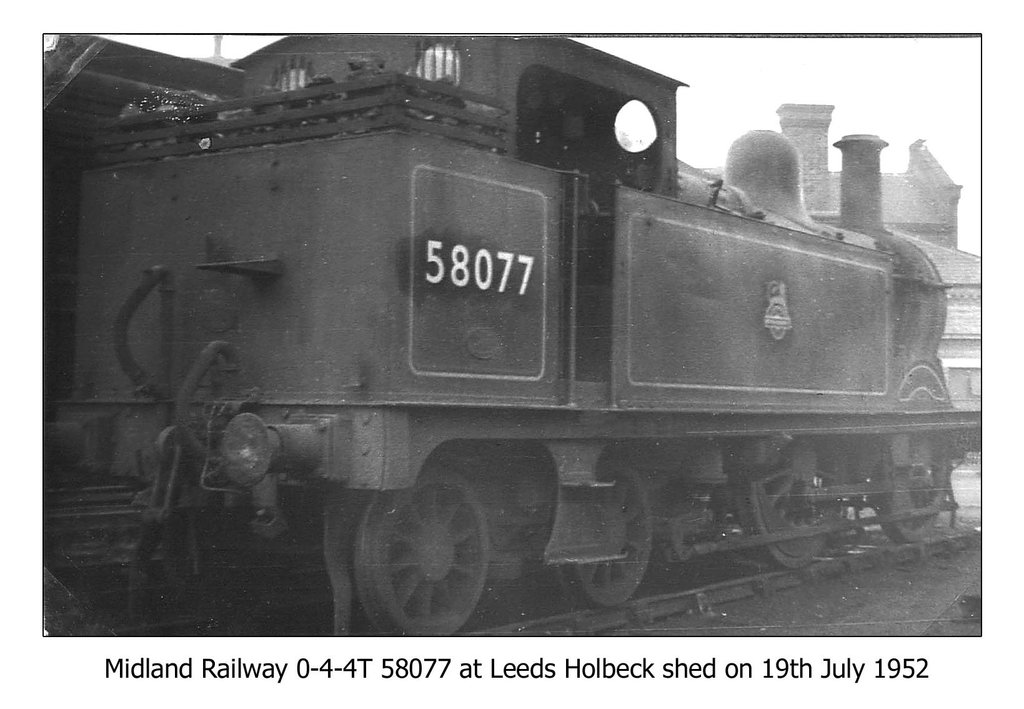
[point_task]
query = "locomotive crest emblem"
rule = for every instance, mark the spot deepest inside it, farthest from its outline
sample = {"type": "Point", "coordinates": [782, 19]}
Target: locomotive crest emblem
{"type": "Point", "coordinates": [776, 317]}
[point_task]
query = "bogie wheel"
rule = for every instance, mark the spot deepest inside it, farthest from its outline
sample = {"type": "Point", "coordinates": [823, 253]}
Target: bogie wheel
{"type": "Point", "coordinates": [780, 503]}
{"type": "Point", "coordinates": [421, 556]}
{"type": "Point", "coordinates": [610, 583]}
{"type": "Point", "coordinates": [789, 500]}
{"type": "Point", "coordinates": [911, 490]}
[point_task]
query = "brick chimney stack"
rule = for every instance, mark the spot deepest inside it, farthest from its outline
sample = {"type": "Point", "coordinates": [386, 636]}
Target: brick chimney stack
{"type": "Point", "coordinates": [806, 127]}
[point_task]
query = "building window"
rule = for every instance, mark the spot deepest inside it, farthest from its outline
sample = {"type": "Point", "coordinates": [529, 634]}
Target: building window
{"type": "Point", "coordinates": [292, 74]}
{"type": "Point", "coordinates": [975, 382]}
{"type": "Point", "coordinates": [440, 62]}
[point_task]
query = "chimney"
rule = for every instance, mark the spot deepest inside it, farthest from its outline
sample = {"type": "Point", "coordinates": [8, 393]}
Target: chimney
{"type": "Point", "coordinates": [806, 127]}
{"type": "Point", "coordinates": [861, 188]}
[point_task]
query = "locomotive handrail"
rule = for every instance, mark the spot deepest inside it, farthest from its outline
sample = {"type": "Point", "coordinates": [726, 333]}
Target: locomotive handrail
{"type": "Point", "coordinates": [144, 382]}
{"type": "Point", "coordinates": [934, 285]}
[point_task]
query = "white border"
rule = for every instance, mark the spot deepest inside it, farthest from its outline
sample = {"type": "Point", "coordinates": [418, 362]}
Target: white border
{"type": "Point", "coordinates": [731, 387]}
{"type": "Point", "coordinates": [544, 278]}
{"type": "Point", "coordinates": [935, 376]}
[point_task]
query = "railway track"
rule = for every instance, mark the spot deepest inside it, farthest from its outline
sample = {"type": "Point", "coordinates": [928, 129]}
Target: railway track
{"type": "Point", "coordinates": [648, 611]}
{"type": "Point", "coordinates": [92, 526]}
{"type": "Point", "coordinates": [270, 599]}
{"type": "Point", "coordinates": [234, 600]}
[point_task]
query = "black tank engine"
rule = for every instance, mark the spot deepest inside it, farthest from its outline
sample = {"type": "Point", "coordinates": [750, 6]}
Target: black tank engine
{"type": "Point", "coordinates": [438, 312]}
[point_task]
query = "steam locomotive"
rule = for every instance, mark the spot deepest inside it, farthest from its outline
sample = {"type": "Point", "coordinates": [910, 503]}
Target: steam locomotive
{"type": "Point", "coordinates": [435, 299]}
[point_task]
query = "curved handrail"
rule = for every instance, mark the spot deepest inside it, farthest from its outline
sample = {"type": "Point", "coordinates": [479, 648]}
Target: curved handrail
{"type": "Point", "coordinates": [144, 382]}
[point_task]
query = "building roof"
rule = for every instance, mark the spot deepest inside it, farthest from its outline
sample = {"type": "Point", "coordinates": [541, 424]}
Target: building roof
{"type": "Point", "coordinates": [956, 267]}
{"type": "Point", "coordinates": [904, 201]}
{"type": "Point", "coordinates": [286, 44]}
{"type": "Point", "coordinates": [164, 70]}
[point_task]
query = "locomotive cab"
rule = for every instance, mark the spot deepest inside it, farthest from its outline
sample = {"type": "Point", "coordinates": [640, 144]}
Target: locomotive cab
{"type": "Point", "coordinates": [575, 125]}
{"type": "Point", "coordinates": [583, 128]}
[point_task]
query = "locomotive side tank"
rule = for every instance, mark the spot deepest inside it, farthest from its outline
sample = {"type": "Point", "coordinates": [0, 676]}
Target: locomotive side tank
{"type": "Point", "coordinates": [526, 340]}
{"type": "Point", "coordinates": [350, 271]}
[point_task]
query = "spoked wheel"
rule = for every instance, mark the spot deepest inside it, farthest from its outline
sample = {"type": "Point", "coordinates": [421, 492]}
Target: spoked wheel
{"type": "Point", "coordinates": [421, 556]}
{"type": "Point", "coordinates": [911, 490]}
{"type": "Point", "coordinates": [609, 583]}
{"type": "Point", "coordinates": [784, 502]}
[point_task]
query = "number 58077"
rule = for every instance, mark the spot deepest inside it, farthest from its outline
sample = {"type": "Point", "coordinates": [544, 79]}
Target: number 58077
{"type": "Point", "coordinates": [462, 267]}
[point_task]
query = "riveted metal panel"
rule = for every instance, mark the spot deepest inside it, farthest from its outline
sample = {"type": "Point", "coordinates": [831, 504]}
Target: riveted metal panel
{"type": "Point", "coordinates": [478, 302]}
{"type": "Point", "coordinates": [714, 308]}
{"type": "Point", "coordinates": [479, 319]}
{"type": "Point", "coordinates": [348, 315]}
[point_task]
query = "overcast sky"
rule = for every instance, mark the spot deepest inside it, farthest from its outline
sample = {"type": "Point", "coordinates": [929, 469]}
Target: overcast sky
{"type": "Point", "coordinates": [901, 89]}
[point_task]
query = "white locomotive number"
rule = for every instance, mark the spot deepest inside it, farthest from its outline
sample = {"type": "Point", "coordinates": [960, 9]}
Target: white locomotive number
{"type": "Point", "coordinates": [480, 269]}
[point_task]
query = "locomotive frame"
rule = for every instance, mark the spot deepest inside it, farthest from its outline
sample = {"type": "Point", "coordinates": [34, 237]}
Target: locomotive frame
{"type": "Point", "coordinates": [583, 409]}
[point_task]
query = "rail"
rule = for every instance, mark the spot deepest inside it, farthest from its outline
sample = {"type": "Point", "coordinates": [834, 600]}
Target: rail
{"type": "Point", "coordinates": [646, 611]}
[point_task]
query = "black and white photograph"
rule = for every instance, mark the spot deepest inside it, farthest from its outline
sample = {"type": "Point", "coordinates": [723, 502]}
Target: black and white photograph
{"type": "Point", "coordinates": [607, 339]}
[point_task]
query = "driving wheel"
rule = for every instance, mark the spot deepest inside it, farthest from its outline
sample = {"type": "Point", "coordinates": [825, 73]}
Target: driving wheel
{"type": "Point", "coordinates": [609, 583]}
{"type": "Point", "coordinates": [783, 502]}
{"type": "Point", "coordinates": [421, 556]}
